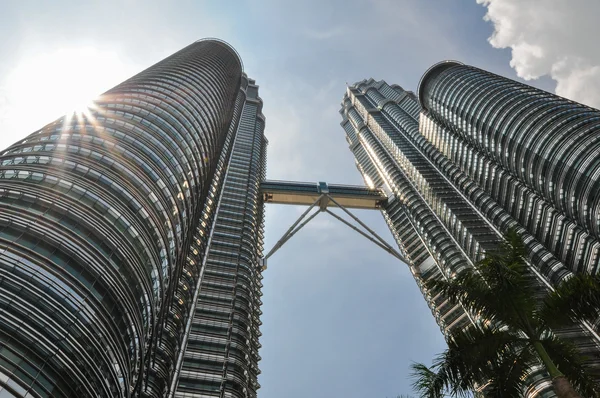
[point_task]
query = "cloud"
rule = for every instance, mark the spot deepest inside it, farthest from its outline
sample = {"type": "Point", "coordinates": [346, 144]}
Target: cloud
{"type": "Point", "coordinates": [551, 37]}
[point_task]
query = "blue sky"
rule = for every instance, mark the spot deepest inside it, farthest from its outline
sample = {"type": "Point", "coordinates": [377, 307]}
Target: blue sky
{"type": "Point", "coordinates": [341, 318]}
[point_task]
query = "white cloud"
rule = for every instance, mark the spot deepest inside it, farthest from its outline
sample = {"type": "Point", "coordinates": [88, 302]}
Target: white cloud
{"type": "Point", "coordinates": [551, 37]}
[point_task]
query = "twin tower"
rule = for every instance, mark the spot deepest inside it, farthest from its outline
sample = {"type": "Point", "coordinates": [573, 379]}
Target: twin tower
{"type": "Point", "coordinates": [131, 235]}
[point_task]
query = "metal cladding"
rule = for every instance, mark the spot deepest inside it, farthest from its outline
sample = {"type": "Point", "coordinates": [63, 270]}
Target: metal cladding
{"type": "Point", "coordinates": [220, 355]}
{"type": "Point", "coordinates": [433, 224]}
{"type": "Point", "coordinates": [536, 154]}
{"type": "Point", "coordinates": [105, 217]}
{"type": "Point", "coordinates": [480, 154]}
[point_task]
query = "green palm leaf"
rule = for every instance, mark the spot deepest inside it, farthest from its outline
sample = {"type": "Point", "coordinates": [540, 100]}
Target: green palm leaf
{"type": "Point", "coordinates": [576, 299]}
{"type": "Point", "coordinates": [572, 364]}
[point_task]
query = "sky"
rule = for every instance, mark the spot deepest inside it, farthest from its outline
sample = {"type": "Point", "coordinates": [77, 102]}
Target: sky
{"type": "Point", "coordinates": [341, 318]}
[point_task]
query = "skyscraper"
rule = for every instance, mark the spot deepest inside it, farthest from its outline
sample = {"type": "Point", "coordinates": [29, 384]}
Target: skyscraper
{"type": "Point", "coordinates": [105, 221]}
{"type": "Point", "coordinates": [474, 155]}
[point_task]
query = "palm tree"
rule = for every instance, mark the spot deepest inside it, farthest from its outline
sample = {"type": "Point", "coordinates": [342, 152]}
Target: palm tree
{"type": "Point", "coordinates": [496, 354]}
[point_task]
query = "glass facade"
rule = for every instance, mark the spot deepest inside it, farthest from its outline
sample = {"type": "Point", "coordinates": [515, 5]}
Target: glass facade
{"type": "Point", "coordinates": [220, 355]}
{"type": "Point", "coordinates": [451, 202]}
{"type": "Point", "coordinates": [537, 156]}
{"type": "Point", "coordinates": [105, 221]}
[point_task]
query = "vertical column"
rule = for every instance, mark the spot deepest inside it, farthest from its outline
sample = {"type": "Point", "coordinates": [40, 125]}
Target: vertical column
{"type": "Point", "coordinates": [221, 354]}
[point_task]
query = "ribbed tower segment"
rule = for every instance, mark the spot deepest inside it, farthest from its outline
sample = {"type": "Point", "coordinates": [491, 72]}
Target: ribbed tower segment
{"type": "Point", "coordinates": [441, 217]}
{"type": "Point", "coordinates": [386, 154]}
{"type": "Point", "coordinates": [220, 357]}
{"type": "Point", "coordinates": [536, 154]}
{"type": "Point", "coordinates": [98, 214]}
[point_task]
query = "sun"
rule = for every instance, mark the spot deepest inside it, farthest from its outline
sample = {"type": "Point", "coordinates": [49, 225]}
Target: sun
{"type": "Point", "coordinates": [46, 86]}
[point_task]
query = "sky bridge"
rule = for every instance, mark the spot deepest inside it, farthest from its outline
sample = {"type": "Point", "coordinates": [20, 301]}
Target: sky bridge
{"type": "Point", "coordinates": [306, 193]}
{"type": "Point", "coordinates": [321, 196]}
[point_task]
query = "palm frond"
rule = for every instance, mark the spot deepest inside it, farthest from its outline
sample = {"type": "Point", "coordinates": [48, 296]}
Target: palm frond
{"type": "Point", "coordinates": [478, 297]}
{"type": "Point", "coordinates": [577, 298]}
{"type": "Point", "coordinates": [507, 273]}
{"type": "Point", "coordinates": [510, 374]}
{"type": "Point", "coordinates": [426, 381]}
{"type": "Point", "coordinates": [469, 290]}
{"type": "Point", "coordinates": [475, 357]}
{"type": "Point", "coordinates": [500, 288]}
{"type": "Point", "coordinates": [484, 343]}
{"type": "Point", "coordinates": [572, 364]}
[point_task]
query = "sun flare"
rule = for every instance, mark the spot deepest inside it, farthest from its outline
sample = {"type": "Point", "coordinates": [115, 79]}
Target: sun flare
{"type": "Point", "coordinates": [48, 85]}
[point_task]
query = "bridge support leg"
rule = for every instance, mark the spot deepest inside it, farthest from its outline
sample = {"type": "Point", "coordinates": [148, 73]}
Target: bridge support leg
{"type": "Point", "coordinates": [299, 224]}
